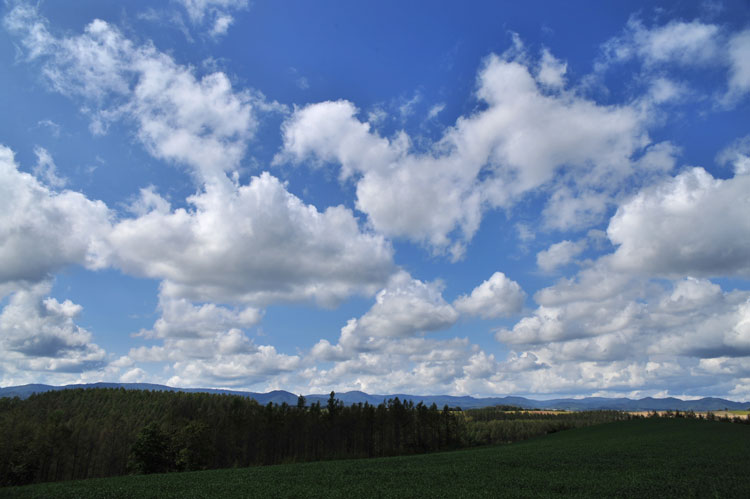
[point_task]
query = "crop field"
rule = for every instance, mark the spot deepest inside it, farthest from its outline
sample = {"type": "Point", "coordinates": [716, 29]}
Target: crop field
{"type": "Point", "coordinates": [638, 458]}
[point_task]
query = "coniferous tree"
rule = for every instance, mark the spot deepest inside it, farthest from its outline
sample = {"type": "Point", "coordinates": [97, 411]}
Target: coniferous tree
{"type": "Point", "coordinates": [151, 451]}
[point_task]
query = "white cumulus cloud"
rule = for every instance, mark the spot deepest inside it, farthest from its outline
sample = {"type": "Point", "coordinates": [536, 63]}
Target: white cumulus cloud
{"type": "Point", "coordinates": [496, 297]}
{"type": "Point", "coordinates": [490, 158]}
{"type": "Point", "coordinates": [254, 244]}
{"type": "Point", "coordinates": [559, 254]}
{"type": "Point", "coordinates": [404, 308]}
{"type": "Point", "coordinates": [692, 224]}
{"type": "Point", "coordinates": [43, 230]}
{"type": "Point", "coordinates": [39, 333]}
{"type": "Point", "coordinates": [182, 319]}
{"type": "Point", "coordinates": [687, 43]}
{"type": "Point", "coordinates": [198, 121]}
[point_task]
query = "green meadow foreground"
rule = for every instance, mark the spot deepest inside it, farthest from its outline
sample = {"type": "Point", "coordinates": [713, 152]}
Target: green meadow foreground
{"type": "Point", "coordinates": [637, 458]}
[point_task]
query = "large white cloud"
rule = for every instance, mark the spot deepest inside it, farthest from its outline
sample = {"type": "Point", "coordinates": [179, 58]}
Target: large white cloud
{"type": "Point", "coordinates": [422, 198]}
{"type": "Point", "coordinates": [693, 224]}
{"type": "Point", "coordinates": [253, 243]}
{"type": "Point", "coordinates": [521, 141]}
{"type": "Point", "coordinates": [42, 230]}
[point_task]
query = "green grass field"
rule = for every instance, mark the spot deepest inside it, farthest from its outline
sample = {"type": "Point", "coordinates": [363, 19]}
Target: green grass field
{"type": "Point", "coordinates": [641, 458]}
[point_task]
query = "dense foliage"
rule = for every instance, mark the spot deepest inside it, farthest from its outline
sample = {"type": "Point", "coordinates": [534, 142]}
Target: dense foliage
{"type": "Point", "coordinates": [651, 457]}
{"type": "Point", "coordinates": [72, 434]}
{"type": "Point", "coordinates": [499, 425]}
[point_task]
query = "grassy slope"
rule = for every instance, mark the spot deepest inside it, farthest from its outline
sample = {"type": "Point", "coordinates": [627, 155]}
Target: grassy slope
{"type": "Point", "coordinates": [645, 458]}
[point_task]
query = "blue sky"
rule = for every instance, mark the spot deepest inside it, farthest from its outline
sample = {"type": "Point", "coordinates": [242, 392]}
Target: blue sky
{"type": "Point", "coordinates": [539, 199]}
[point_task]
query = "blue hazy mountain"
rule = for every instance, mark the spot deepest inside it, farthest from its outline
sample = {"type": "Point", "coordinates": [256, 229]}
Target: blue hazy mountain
{"type": "Point", "coordinates": [355, 397]}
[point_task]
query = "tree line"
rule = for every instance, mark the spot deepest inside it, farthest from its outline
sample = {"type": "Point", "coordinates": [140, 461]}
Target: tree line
{"type": "Point", "coordinates": [742, 418]}
{"type": "Point", "coordinates": [87, 433]}
{"type": "Point", "coordinates": [499, 425]}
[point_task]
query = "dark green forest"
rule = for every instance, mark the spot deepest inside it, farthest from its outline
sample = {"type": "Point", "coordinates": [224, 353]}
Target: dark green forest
{"type": "Point", "coordinates": [75, 434]}
{"type": "Point", "coordinates": [87, 433]}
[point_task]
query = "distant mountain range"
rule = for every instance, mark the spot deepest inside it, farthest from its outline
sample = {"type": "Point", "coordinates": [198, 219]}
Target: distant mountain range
{"type": "Point", "coordinates": [354, 397]}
